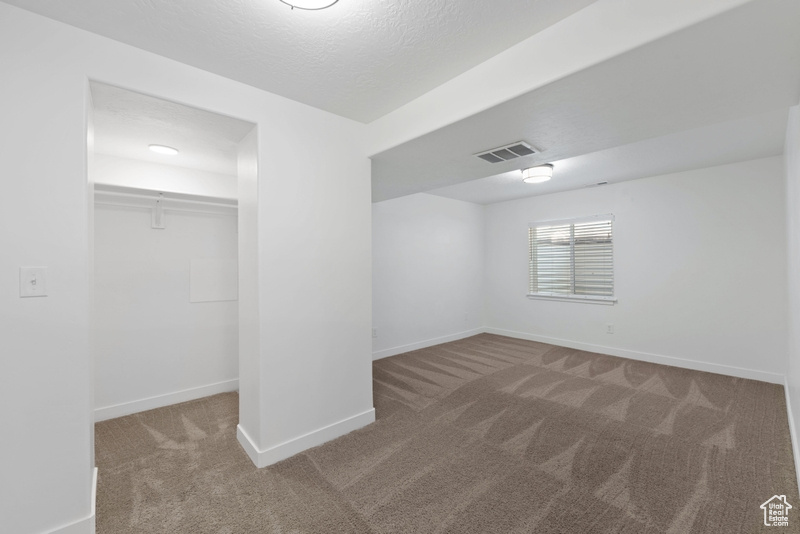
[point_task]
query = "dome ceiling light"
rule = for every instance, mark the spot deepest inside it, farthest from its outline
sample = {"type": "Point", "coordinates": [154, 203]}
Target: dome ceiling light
{"type": "Point", "coordinates": [310, 5]}
{"type": "Point", "coordinates": [163, 149]}
{"type": "Point", "coordinates": [538, 174]}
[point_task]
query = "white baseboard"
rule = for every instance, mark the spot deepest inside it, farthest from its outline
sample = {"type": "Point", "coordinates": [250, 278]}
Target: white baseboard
{"type": "Point", "coordinates": [93, 516]}
{"type": "Point", "coordinates": [248, 444]}
{"type": "Point", "coordinates": [127, 408]}
{"type": "Point", "coordinates": [792, 430]}
{"type": "Point", "coordinates": [84, 526]}
{"type": "Point", "coordinates": [729, 370]}
{"type": "Point", "coordinates": [385, 353]}
{"type": "Point", "coordinates": [276, 453]}
{"type": "Point", "coordinates": [87, 524]}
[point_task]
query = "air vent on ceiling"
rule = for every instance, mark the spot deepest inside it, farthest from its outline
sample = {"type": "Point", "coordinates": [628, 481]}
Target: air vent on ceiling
{"type": "Point", "coordinates": [507, 152]}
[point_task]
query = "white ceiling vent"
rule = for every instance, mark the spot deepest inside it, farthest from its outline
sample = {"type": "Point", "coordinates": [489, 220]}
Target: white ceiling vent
{"type": "Point", "coordinates": [507, 152]}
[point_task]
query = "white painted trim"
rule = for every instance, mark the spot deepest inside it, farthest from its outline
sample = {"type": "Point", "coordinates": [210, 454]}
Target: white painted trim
{"type": "Point", "coordinates": [572, 220]}
{"type": "Point", "coordinates": [127, 408]}
{"type": "Point", "coordinates": [792, 430]}
{"type": "Point", "coordinates": [590, 299]}
{"type": "Point", "coordinates": [247, 443]}
{"type": "Point", "coordinates": [729, 370]}
{"type": "Point", "coordinates": [136, 195]}
{"type": "Point", "coordinates": [133, 198]}
{"type": "Point", "coordinates": [84, 526]}
{"type": "Point", "coordinates": [93, 517]}
{"type": "Point", "coordinates": [87, 524]}
{"type": "Point", "coordinates": [281, 451]}
{"type": "Point", "coordinates": [385, 353]}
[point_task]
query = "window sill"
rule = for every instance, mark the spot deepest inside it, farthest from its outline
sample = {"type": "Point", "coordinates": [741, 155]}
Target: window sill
{"type": "Point", "coordinates": [590, 299]}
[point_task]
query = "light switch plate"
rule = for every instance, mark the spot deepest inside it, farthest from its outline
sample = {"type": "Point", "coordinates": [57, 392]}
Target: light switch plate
{"type": "Point", "coordinates": [33, 281]}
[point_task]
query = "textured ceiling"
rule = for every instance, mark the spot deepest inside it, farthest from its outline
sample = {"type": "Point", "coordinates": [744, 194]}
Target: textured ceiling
{"type": "Point", "coordinates": [715, 92]}
{"type": "Point", "coordinates": [126, 123]}
{"type": "Point", "coordinates": [753, 137]}
{"type": "Point", "coordinates": [706, 74]}
{"type": "Point", "coordinates": [359, 59]}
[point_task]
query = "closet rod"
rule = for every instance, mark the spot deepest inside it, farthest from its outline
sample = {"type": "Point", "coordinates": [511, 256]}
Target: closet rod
{"type": "Point", "coordinates": [149, 194]}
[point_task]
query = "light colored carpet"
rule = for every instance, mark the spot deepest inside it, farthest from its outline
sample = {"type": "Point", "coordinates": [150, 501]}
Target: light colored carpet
{"type": "Point", "coordinates": [483, 435]}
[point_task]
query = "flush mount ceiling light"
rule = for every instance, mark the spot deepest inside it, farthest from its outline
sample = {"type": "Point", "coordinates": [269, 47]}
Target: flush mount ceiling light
{"type": "Point", "coordinates": [537, 175]}
{"type": "Point", "coordinates": [311, 5]}
{"type": "Point", "coordinates": [162, 149]}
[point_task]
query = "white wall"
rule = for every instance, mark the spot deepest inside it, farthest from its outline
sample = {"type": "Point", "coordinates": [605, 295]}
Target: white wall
{"type": "Point", "coordinates": [250, 385]}
{"type": "Point", "coordinates": [45, 383]}
{"type": "Point", "coordinates": [427, 272]}
{"type": "Point", "coordinates": [700, 270]}
{"type": "Point", "coordinates": [154, 346]}
{"type": "Point", "coordinates": [792, 162]}
{"type": "Point", "coordinates": [314, 261]}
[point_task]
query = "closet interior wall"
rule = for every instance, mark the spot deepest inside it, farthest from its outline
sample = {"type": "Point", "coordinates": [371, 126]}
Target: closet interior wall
{"type": "Point", "coordinates": [166, 309]}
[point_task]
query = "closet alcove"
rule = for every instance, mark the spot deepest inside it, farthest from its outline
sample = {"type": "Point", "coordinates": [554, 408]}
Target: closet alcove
{"type": "Point", "coordinates": [166, 251]}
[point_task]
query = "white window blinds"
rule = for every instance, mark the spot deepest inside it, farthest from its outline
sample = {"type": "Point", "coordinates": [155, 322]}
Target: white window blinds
{"type": "Point", "coordinates": [572, 258]}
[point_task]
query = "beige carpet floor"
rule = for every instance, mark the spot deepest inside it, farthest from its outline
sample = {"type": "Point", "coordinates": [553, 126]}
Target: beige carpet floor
{"type": "Point", "coordinates": [484, 435]}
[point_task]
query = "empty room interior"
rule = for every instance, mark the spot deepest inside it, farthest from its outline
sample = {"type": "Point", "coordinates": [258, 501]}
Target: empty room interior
{"type": "Point", "coordinates": [322, 266]}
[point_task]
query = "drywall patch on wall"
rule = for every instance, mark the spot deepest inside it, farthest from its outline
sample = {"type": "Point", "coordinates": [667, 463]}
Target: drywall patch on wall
{"type": "Point", "coordinates": [213, 280]}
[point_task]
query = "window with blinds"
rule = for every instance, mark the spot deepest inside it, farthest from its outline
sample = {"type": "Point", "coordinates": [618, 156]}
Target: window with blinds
{"type": "Point", "coordinates": [572, 258]}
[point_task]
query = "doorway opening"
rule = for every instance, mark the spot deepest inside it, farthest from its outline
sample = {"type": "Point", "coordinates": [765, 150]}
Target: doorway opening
{"type": "Point", "coordinates": [166, 249]}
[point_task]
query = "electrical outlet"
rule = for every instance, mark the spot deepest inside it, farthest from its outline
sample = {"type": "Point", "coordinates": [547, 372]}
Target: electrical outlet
{"type": "Point", "coordinates": [374, 332]}
{"type": "Point", "coordinates": [609, 328]}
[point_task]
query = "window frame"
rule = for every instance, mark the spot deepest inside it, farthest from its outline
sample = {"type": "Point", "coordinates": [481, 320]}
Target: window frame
{"type": "Point", "coordinates": [572, 297]}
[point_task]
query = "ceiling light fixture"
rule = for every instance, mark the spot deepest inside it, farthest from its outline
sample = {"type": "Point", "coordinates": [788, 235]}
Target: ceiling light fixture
{"type": "Point", "coordinates": [537, 175]}
{"type": "Point", "coordinates": [162, 149]}
{"type": "Point", "coordinates": [310, 5]}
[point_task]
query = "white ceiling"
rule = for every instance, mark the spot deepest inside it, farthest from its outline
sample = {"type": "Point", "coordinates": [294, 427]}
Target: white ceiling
{"type": "Point", "coordinates": [753, 137]}
{"type": "Point", "coordinates": [675, 92]}
{"type": "Point", "coordinates": [359, 58]}
{"type": "Point", "coordinates": [710, 94]}
{"type": "Point", "coordinates": [126, 123]}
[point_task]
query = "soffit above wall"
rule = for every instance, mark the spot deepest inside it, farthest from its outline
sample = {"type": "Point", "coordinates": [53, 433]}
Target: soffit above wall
{"type": "Point", "coordinates": [754, 137]}
{"type": "Point", "coordinates": [126, 123]}
{"type": "Point", "coordinates": [738, 66]}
